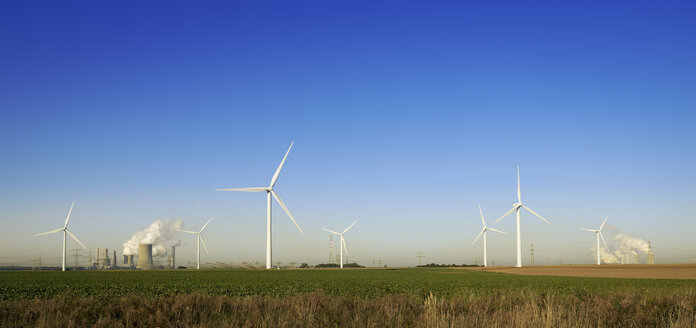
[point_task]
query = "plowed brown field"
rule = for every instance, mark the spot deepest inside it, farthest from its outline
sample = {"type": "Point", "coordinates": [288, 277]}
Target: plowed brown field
{"type": "Point", "coordinates": [653, 271]}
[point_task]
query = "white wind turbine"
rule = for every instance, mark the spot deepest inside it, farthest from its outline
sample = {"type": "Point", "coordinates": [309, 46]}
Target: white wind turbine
{"type": "Point", "coordinates": [516, 208]}
{"type": "Point", "coordinates": [64, 229]}
{"type": "Point", "coordinates": [200, 239]}
{"type": "Point", "coordinates": [484, 233]}
{"type": "Point", "coordinates": [343, 241]}
{"type": "Point", "coordinates": [598, 232]}
{"type": "Point", "coordinates": [269, 191]}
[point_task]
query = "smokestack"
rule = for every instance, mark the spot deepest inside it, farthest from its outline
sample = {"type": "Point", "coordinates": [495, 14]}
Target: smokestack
{"type": "Point", "coordinates": [114, 264]}
{"type": "Point", "coordinates": [145, 256]}
{"type": "Point", "coordinates": [172, 258]}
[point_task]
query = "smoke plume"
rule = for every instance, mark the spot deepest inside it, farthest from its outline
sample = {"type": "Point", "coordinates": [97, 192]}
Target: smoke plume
{"type": "Point", "coordinates": [607, 257]}
{"type": "Point", "coordinates": [626, 251]}
{"type": "Point", "coordinates": [630, 244]}
{"type": "Point", "coordinates": [157, 234]}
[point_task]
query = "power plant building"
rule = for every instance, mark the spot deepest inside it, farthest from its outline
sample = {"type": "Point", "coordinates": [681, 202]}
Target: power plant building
{"type": "Point", "coordinates": [172, 263]}
{"type": "Point", "coordinates": [145, 256]}
{"type": "Point", "coordinates": [102, 261]}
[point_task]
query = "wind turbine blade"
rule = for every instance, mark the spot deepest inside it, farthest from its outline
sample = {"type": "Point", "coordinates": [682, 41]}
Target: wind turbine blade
{"type": "Point", "coordinates": [350, 226]}
{"type": "Point", "coordinates": [68, 218]}
{"type": "Point", "coordinates": [504, 215]}
{"type": "Point", "coordinates": [590, 230]}
{"type": "Point", "coordinates": [605, 243]}
{"type": "Point", "coordinates": [535, 213]}
{"type": "Point", "coordinates": [186, 231]}
{"type": "Point", "coordinates": [280, 167]}
{"type": "Point", "coordinates": [47, 232]}
{"type": "Point", "coordinates": [605, 221]}
{"type": "Point", "coordinates": [203, 242]}
{"type": "Point", "coordinates": [254, 189]}
{"type": "Point", "coordinates": [496, 230]}
{"type": "Point", "coordinates": [206, 224]}
{"type": "Point", "coordinates": [479, 236]}
{"type": "Point", "coordinates": [275, 195]}
{"type": "Point", "coordinates": [77, 240]}
{"type": "Point", "coordinates": [480, 211]}
{"type": "Point", "coordinates": [519, 193]}
{"type": "Point", "coordinates": [343, 240]}
{"type": "Point", "coordinates": [333, 232]}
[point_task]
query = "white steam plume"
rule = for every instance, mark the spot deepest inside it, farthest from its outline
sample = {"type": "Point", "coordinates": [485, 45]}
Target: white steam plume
{"type": "Point", "coordinates": [607, 257]}
{"type": "Point", "coordinates": [629, 244]}
{"type": "Point", "coordinates": [625, 252]}
{"type": "Point", "coordinates": [157, 234]}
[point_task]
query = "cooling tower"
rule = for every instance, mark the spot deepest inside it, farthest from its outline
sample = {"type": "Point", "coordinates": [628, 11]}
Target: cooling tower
{"type": "Point", "coordinates": [130, 261]}
{"type": "Point", "coordinates": [125, 260]}
{"type": "Point", "coordinates": [145, 256]}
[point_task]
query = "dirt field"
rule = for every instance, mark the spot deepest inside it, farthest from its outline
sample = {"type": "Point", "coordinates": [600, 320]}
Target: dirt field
{"type": "Point", "coordinates": [653, 271]}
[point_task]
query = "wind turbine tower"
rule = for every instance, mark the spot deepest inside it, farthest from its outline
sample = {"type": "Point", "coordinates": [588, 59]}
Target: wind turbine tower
{"type": "Point", "coordinates": [516, 208]}
{"type": "Point", "coordinates": [343, 241]}
{"type": "Point", "coordinates": [598, 232]}
{"type": "Point", "coordinates": [483, 233]}
{"type": "Point", "coordinates": [270, 192]}
{"type": "Point", "coordinates": [200, 240]}
{"type": "Point", "coordinates": [65, 231]}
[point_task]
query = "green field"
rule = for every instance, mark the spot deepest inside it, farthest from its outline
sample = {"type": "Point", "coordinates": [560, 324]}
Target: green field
{"type": "Point", "coordinates": [354, 283]}
{"type": "Point", "coordinates": [355, 297]}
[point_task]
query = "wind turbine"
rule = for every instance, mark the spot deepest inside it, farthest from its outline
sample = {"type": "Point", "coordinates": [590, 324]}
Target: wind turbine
{"type": "Point", "coordinates": [516, 208]}
{"type": "Point", "coordinates": [484, 232]}
{"type": "Point", "coordinates": [200, 239]}
{"type": "Point", "coordinates": [598, 232]}
{"type": "Point", "coordinates": [64, 229]}
{"type": "Point", "coordinates": [343, 241]}
{"type": "Point", "coordinates": [269, 191]}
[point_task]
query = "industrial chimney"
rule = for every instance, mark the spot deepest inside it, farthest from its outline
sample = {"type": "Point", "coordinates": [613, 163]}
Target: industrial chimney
{"type": "Point", "coordinates": [651, 255]}
{"type": "Point", "coordinates": [145, 256]}
{"type": "Point", "coordinates": [172, 258]}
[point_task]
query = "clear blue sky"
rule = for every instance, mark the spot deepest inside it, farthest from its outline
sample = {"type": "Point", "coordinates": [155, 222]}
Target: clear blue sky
{"type": "Point", "coordinates": [404, 115]}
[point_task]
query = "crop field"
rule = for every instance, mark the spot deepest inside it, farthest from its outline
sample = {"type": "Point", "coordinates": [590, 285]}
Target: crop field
{"type": "Point", "coordinates": [655, 271]}
{"type": "Point", "coordinates": [432, 297]}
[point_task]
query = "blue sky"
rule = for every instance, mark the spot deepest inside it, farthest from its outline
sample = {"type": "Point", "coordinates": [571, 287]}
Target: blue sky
{"type": "Point", "coordinates": [404, 115]}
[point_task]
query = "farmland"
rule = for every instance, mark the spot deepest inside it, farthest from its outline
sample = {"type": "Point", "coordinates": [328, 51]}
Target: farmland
{"type": "Point", "coordinates": [356, 297]}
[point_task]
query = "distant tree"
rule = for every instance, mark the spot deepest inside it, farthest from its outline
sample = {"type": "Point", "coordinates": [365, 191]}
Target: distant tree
{"type": "Point", "coordinates": [353, 265]}
{"type": "Point", "coordinates": [304, 266]}
{"type": "Point", "coordinates": [435, 265]}
{"type": "Point", "coordinates": [326, 265]}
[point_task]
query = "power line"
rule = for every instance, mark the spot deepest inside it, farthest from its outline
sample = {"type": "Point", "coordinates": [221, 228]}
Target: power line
{"type": "Point", "coordinates": [419, 256]}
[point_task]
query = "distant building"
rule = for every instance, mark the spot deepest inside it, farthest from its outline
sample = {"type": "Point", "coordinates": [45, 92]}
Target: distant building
{"type": "Point", "coordinates": [102, 262]}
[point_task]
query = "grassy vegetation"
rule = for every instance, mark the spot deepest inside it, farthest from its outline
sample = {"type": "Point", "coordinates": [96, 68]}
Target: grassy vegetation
{"type": "Point", "coordinates": [322, 298]}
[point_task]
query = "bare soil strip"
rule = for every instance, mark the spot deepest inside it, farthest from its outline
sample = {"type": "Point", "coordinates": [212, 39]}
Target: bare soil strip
{"type": "Point", "coordinates": [648, 271]}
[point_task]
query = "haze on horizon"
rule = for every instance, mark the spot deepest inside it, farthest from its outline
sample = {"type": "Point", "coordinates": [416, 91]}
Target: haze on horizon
{"type": "Point", "coordinates": [404, 116]}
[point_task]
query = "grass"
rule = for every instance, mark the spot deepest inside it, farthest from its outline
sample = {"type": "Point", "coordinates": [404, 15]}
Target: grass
{"type": "Point", "coordinates": [325, 298]}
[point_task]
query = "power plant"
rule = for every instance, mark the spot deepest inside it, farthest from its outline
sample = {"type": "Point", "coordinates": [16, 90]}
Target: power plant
{"type": "Point", "coordinates": [128, 262]}
{"type": "Point", "coordinates": [172, 263]}
{"type": "Point", "coordinates": [103, 261]}
{"type": "Point", "coordinates": [651, 255]}
{"type": "Point", "coordinates": [145, 256]}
